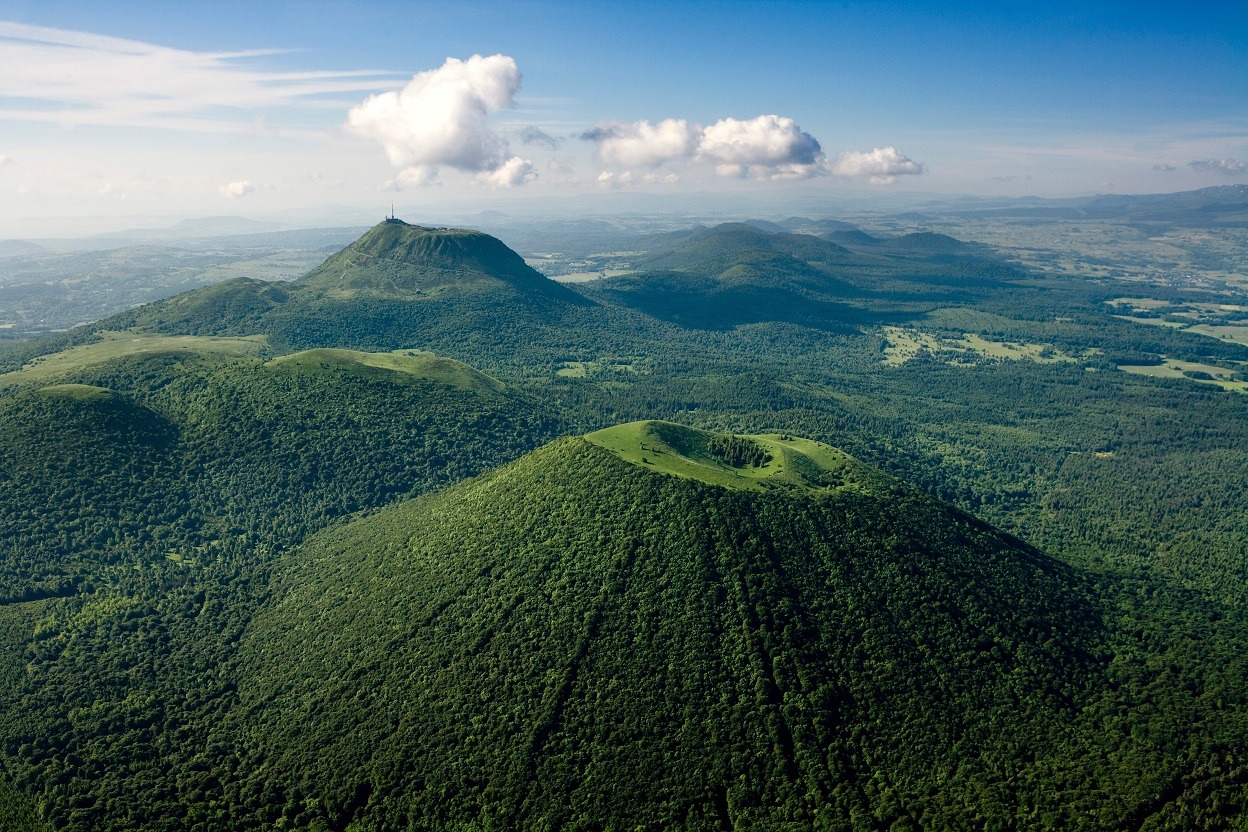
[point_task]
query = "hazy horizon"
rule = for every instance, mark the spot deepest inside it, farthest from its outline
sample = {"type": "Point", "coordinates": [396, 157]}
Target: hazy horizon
{"type": "Point", "coordinates": [123, 116]}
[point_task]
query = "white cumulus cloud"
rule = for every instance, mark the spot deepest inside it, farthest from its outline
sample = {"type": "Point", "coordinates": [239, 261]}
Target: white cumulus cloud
{"type": "Point", "coordinates": [880, 165]}
{"type": "Point", "coordinates": [510, 174]}
{"type": "Point", "coordinates": [441, 119]}
{"type": "Point", "coordinates": [234, 190]}
{"type": "Point", "coordinates": [5, 160]}
{"type": "Point", "coordinates": [623, 179]}
{"type": "Point", "coordinates": [642, 144]}
{"type": "Point", "coordinates": [765, 147]}
{"type": "Point", "coordinates": [610, 179]}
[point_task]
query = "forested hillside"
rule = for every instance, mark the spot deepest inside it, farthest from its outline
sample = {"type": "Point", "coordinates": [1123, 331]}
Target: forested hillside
{"type": "Point", "coordinates": [225, 604]}
{"type": "Point", "coordinates": [575, 641]}
{"type": "Point", "coordinates": [140, 517]}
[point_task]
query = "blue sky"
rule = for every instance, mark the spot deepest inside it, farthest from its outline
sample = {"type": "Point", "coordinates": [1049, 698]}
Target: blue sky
{"type": "Point", "coordinates": [200, 114]}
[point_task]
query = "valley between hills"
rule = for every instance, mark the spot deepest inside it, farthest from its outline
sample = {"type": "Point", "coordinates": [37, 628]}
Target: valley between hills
{"type": "Point", "coordinates": [788, 525]}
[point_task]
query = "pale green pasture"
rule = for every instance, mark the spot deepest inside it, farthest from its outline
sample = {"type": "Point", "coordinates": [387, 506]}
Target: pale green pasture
{"type": "Point", "coordinates": [682, 451]}
{"type": "Point", "coordinates": [114, 345]}
{"type": "Point", "coordinates": [1173, 368]}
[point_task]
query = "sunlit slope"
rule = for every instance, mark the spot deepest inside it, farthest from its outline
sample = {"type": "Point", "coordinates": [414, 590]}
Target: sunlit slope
{"type": "Point", "coordinates": [410, 260]}
{"type": "Point", "coordinates": [144, 500]}
{"type": "Point", "coordinates": [399, 366]}
{"type": "Point", "coordinates": [582, 640]}
{"type": "Point", "coordinates": [759, 463]}
{"type": "Point", "coordinates": [110, 346]}
{"type": "Point", "coordinates": [397, 286]}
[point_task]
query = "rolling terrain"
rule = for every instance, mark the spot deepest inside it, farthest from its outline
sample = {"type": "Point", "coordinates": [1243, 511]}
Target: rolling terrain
{"type": "Point", "coordinates": [262, 568]}
{"type": "Point", "coordinates": [147, 494]}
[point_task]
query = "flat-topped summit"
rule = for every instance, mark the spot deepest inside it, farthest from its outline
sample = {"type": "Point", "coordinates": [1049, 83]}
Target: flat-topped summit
{"type": "Point", "coordinates": [395, 257]}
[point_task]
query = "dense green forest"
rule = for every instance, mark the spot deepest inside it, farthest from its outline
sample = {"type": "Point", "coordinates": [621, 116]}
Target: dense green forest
{"type": "Point", "coordinates": [220, 608]}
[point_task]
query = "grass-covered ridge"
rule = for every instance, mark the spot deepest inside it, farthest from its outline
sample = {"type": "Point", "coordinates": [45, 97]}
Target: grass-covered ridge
{"type": "Point", "coordinates": [398, 366]}
{"type": "Point", "coordinates": [781, 460]}
{"type": "Point", "coordinates": [76, 392]}
{"type": "Point", "coordinates": [110, 346]}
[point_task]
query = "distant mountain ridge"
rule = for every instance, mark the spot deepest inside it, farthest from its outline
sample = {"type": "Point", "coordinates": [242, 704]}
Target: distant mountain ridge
{"type": "Point", "coordinates": [738, 273]}
{"type": "Point", "coordinates": [1220, 205]}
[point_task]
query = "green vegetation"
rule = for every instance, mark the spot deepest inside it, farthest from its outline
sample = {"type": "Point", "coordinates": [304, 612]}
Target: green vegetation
{"type": "Point", "coordinates": [758, 463]}
{"type": "Point", "coordinates": [112, 345]}
{"type": "Point", "coordinates": [397, 259]}
{"type": "Point", "coordinates": [1223, 377]}
{"type": "Point", "coordinates": [141, 511]}
{"type": "Point", "coordinates": [16, 813]}
{"type": "Point", "coordinates": [397, 367]}
{"type": "Point", "coordinates": [217, 614]}
{"type": "Point", "coordinates": [738, 451]}
{"type": "Point", "coordinates": [574, 641]}
{"type": "Point", "coordinates": [905, 344]}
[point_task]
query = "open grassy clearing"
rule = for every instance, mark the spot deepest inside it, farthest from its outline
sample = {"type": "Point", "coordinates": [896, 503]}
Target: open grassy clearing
{"type": "Point", "coordinates": [1139, 304]}
{"type": "Point", "coordinates": [1236, 332]}
{"type": "Point", "coordinates": [904, 344]}
{"type": "Point", "coordinates": [788, 461]}
{"type": "Point", "coordinates": [118, 344]}
{"type": "Point", "coordinates": [586, 277]}
{"type": "Point", "coordinates": [1227, 332]}
{"type": "Point", "coordinates": [1173, 368]}
{"type": "Point", "coordinates": [584, 369]}
{"type": "Point", "coordinates": [76, 392]}
{"type": "Point", "coordinates": [413, 364]}
{"type": "Point", "coordinates": [1153, 322]}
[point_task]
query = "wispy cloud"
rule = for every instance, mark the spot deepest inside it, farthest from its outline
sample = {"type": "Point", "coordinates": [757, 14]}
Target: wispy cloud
{"type": "Point", "coordinates": [77, 78]}
{"type": "Point", "coordinates": [539, 137]}
{"type": "Point", "coordinates": [1230, 167]}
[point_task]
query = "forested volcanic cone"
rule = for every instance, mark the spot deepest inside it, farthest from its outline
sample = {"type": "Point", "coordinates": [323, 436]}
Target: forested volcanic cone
{"type": "Point", "coordinates": [656, 627]}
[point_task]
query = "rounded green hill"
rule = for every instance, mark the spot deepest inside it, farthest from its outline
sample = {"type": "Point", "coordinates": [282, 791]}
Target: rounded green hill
{"type": "Point", "coordinates": [398, 259]}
